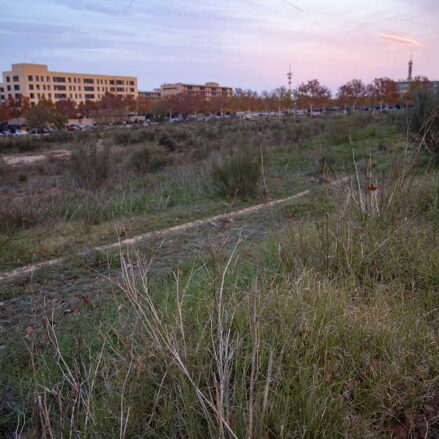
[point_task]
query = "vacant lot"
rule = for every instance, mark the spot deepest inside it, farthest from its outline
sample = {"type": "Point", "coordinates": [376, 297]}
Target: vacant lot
{"type": "Point", "coordinates": [62, 194]}
{"type": "Point", "coordinates": [312, 318]}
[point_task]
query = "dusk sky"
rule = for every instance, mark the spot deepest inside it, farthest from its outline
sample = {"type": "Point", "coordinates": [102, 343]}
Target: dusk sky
{"type": "Point", "coordinates": [240, 43]}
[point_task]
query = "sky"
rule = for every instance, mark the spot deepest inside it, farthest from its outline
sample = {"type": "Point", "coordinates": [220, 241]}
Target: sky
{"type": "Point", "coordinates": [239, 43]}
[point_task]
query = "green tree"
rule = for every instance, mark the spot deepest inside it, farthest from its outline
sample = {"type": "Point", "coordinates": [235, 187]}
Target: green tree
{"type": "Point", "coordinates": [38, 116]}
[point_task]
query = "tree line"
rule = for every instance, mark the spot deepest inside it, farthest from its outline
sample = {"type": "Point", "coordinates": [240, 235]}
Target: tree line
{"type": "Point", "coordinates": [354, 94]}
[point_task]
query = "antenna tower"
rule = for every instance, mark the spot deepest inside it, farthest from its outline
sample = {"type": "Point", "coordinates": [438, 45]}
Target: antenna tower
{"type": "Point", "coordinates": [290, 77]}
{"type": "Point", "coordinates": [410, 77]}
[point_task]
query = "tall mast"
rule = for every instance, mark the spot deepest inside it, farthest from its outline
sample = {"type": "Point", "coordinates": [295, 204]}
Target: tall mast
{"type": "Point", "coordinates": [290, 77]}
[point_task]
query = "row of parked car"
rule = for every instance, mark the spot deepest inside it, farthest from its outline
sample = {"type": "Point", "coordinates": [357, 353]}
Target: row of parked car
{"type": "Point", "coordinates": [12, 130]}
{"type": "Point", "coordinates": [15, 130]}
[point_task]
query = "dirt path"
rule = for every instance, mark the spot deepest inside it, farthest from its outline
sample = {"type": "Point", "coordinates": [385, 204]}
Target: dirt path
{"type": "Point", "coordinates": [71, 288]}
{"type": "Point", "coordinates": [28, 270]}
{"type": "Point", "coordinates": [17, 160]}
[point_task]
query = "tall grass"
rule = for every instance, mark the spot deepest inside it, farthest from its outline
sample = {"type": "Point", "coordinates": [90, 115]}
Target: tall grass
{"type": "Point", "coordinates": [236, 175]}
{"type": "Point", "coordinates": [90, 166]}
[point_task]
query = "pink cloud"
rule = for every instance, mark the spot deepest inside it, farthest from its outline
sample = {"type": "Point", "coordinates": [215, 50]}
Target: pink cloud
{"type": "Point", "coordinates": [398, 38]}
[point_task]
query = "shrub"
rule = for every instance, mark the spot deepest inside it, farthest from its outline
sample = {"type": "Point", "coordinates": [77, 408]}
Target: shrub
{"type": "Point", "coordinates": [23, 144]}
{"type": "Point", "coordinates": [425, 121]}
{"type": "Point", "coordinates": [167, 142]}
{"type": "Point", "coordinates": [144, 160]}
{"type": "Point", "coordinates": [16, 216]}
{"type": "Point", "coordinates": [89, 166]}
{"type": "Point", "coordinates": [122, 137]}
{"type": "Point", "coordinates": [59, 136]}
{"type": "Point", "coordinates": [236, 175]}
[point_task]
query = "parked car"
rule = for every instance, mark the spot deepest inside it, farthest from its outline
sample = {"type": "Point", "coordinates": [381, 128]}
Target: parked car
{"type": "Point", "coordinates": [20, 133]}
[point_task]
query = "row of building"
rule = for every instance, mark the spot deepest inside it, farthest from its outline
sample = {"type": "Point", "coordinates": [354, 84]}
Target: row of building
{"type": "Point", "coordinates": [35, 82]}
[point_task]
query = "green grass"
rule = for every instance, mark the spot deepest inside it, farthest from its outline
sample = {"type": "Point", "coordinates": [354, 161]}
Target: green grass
{"type": "Point", "coordinates": [327, 328]}
{"type": "Point", "coordinates": [315, 319]}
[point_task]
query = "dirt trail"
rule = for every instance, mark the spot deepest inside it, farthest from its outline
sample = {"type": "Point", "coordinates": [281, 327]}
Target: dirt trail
{"type": "Point", "coordinates": [66, 293]}
{"type": "Point", "coordinates": [16, 160]}
{"type": "Point", "coordinates": [28, 270]}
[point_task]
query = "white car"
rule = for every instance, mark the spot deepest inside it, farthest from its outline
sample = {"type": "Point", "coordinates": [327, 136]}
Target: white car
{"type": "Point", "coordinates": [21, 133]}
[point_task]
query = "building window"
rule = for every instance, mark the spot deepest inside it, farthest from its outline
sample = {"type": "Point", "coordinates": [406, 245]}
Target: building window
{"type": "Point", "coordinates": [44, 87]}
{"type": "Point", "coordinates": [120, 89]}
{"type": "Point", "coordinates": [30, 78]}
{"type": "Point", "coordinates": [38, 86]}
{"type": "Point", "coordinates": [59, 79]}
{"type": "Point", "coordinates": [89, 81]}
{"type": "Point", "coordinates": [48, 87]}
{"type": "Point", "coordinates": [16, 87]}
{"type": "Point", "coordinates": [15, 79]}
{"type": "Point", "coordinates": [69, 79]}
{"type": "Point", "coordinates": [8, 79]}
{"type": "Point", "coordinates": [31, 86]}
{"type": "Point", "coordinates": [32, 96]}
{"type": "Point", "coordinates": [50, 95]}
{"type": "Point", "coordinates": [9, 88]}
{"type": "Point", "coordinates": [48, 79]}
{"type": "Point", "coordinates": [60, 96]}
{"type": "Point", "coordinates": [88, 88]}
{"type": "Point", "coordinates": [111, 82]}
{"type": "Point", "coordinates": [89, 96]}
{"type": "Point", "coordinates": [37, 78]}
{"type": "Point", "coordinates": [132, 90]}
{"type": "Point", "coordinates": [59, 87]}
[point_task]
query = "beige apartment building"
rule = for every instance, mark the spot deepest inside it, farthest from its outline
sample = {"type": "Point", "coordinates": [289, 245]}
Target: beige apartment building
{"type": "Point", "coordinates": [36, 82]}
{"type": "Point", "coordinates": [155, 94]}
{"type": "Point", "coordinates": [209, 89]}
